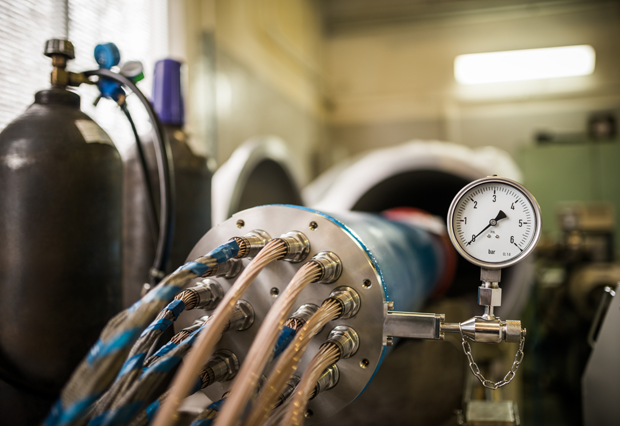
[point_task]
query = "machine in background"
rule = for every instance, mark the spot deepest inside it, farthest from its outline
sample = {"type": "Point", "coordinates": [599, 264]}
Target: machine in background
{"type": "Point", "coordinates": [569, 301]}
{"type": "Point", "coordinates": [260, 171]}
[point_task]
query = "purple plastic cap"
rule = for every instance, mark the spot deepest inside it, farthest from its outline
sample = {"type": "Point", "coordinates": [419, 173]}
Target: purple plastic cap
{"type": "Point", "coordinates": [167, 97]}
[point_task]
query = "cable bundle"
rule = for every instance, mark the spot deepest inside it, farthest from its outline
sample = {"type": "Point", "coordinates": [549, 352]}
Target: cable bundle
{"type": "Point", "coordinates": [259, 353]}
{"type": "Point", "coordinates": [99, 369]}
{"type": "Point", "coordinates": [181, 385]}
{"type": "Point", "coordinates": [288, 362]}
{"type": "Point", "coordinates": [118, 385]}
{"type": "Point", "coordinates": [327, 355]}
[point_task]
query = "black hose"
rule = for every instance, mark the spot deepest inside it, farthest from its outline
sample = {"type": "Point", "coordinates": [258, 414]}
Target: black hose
{"type": "Point", "coordinates": [152, 210]}
{"type": "Point", "coordinates": [166, 177]}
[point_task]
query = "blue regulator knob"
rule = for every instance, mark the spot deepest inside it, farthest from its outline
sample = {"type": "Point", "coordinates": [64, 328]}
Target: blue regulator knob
{"type": "Point", "coordinates": [107, 55]}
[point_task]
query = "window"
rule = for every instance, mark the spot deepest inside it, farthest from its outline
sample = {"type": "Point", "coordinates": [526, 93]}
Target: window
{"type": "Point", "coordinates": [138, 27]}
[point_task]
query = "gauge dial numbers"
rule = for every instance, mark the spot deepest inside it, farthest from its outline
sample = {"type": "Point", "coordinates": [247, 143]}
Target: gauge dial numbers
{"type": "Point", "coordinates": [494, 222]}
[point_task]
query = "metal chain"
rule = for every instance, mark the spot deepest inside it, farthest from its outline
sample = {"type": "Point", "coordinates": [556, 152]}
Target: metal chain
{"type": "Point", "coordinates": [476, 370]}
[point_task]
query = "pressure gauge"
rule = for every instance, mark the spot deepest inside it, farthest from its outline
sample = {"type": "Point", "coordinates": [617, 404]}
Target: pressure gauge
{"type": "Point", "coordinates": [494, 222]}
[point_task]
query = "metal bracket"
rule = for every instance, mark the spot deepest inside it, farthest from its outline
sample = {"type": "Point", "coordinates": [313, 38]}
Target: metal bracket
{"type": "Point", "coordinates": [412, 325]}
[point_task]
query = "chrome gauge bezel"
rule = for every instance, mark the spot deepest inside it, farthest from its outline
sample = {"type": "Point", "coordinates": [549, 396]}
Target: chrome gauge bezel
{"type": "Point", "coordinates": [519, 188]}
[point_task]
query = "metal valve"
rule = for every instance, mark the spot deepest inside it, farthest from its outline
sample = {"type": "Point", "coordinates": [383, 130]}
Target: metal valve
{"type": "Point", "coordinates": [479, 329]}
{"type": "Point", "coordinates": [486, 328]}
{"type": "Point", "coordinates": [61, 51]}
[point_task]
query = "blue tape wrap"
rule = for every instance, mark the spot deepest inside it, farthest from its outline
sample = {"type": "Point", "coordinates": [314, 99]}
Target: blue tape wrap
{"type": "Point", "coordinates": [196, 267]}
{"type": "Point", "coordinates": [60, 417]}
{"type": "Point", "coordinates": [197, 386]}
{"type": "Point", "coordinates": [119, 416]}
{"type": "Point", "coordinates": [160, 324]}
{"type": "Point", "coordinates": [102, 349]}
{"type": "Point", "coordinates": [152, 409]}
{"type": "Point", "coordinates": [165, 349]}
{"type": "Point", "coordinates": [133, 363]}
{"type": "Point", "coordinates": [162, 365]}
{"type": "Point", "coordinates": [284, 339]}
{"type": "Point", "coordinates": [217, 405]}
{"type": "Point", "coordinates": [224, 252]}
{"type": "Point", "coordinates": [202, 422]}
{"type": "Point", "coordinates": [166, 293]}
{"type": "Point", "coordinates": [176, 307]}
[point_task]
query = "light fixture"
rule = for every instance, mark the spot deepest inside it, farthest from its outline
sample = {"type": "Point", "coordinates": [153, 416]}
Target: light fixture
{"type": "Point", "coordinates": [519, 65]}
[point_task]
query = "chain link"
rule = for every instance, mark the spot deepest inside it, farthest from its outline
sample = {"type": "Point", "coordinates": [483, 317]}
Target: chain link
{"type": "Point", "coordinates": [476, 370]}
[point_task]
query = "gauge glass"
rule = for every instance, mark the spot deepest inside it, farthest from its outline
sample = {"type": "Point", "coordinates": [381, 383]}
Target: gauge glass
{"type": "Point", "coordinates": [494, 222]}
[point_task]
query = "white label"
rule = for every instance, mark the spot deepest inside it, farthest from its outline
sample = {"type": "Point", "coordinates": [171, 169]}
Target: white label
{"type": "Point", "coordinates": [92, 133]}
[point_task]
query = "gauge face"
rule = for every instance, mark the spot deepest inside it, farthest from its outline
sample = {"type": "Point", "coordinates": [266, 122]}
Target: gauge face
{"type": "Point", "coordinates": [494, 222]}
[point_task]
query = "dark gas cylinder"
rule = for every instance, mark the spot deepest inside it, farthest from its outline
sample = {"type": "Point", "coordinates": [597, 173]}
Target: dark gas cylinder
{"type": "Point", "coordinates": [192, 187]}
{"type": "Point", "coordinates": [60, 262]}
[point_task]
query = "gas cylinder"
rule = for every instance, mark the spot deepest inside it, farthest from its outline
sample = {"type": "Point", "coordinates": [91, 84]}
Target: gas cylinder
{"type": "Point", "coordinates": [192, 188]}
{"type": "Point", "coordinates": [61, 229]}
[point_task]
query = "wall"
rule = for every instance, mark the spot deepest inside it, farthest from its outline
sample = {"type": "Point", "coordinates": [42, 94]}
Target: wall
{"type": "Point", "coordinates": [253, 68]}
{"type": "Point", "coordinates": [391, 80]}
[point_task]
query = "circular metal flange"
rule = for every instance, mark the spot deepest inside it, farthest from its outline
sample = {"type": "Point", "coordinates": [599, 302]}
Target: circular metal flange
{"type": "Point", "coordinates": [357, 273]}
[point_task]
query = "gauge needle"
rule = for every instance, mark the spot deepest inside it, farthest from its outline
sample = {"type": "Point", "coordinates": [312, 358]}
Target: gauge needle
{"type": "Point", "coordinates": [501, 215]}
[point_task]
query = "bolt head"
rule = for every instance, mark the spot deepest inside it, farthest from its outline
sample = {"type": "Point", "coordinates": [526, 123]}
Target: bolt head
{"type": "Point", "coordinates": [489, 296]}
{"type": "Point", "coordinates": [231, 361]}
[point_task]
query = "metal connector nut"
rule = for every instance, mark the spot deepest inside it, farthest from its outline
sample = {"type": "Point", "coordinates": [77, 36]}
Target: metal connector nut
{"type": "Point", "coordinates": [512, 331]}
{"type": "Point", "coordinates": [229, 269]}
{"type": "Point", "coordinates": [253, 242]}
{"type": "Point", "coordinates": [331, 266]}
{"type": "Point", "coordinates": [304, 312]}
{"type": "Point", "coordinates": [328, 379]}
{"type": "Point", "coordinates": [288, 390]}
{"type": "Point", "coordinates": [349, 300]}
{"type": "Point", "coordinates": [489, 296]}
{"type": "Point", "coordinates": [346, 339]}
{"type": "Point", "coordinates": [196, 324]}
{"type": "Point", "coordinates": [209, 294]}
{"type": "Point", "coordinates": [242, 316]}
{"type": "Point", "coordinates": [297, 245]}
{"type": "Point", "coordinates": [224, 364]}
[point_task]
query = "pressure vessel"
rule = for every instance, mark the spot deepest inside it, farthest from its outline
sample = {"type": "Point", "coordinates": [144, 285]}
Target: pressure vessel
{"type": "Point", "coordinates": [192, 188]}
{"type": "Point", "coordinates": [421, 382]}
{"type": "Point", "coordinates": [60, 262]}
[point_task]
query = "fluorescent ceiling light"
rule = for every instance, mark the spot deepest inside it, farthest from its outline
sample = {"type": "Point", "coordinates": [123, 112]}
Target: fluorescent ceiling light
{"type": "Point", "coordinates": [519, 65]}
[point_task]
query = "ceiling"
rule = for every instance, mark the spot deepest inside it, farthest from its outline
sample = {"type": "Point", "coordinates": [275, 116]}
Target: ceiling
{"type": "Point", "coordinates": [347, 15]}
